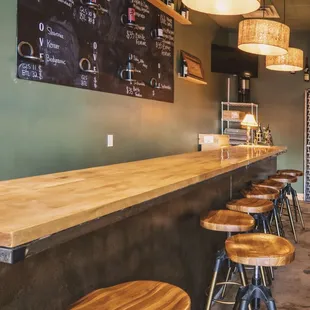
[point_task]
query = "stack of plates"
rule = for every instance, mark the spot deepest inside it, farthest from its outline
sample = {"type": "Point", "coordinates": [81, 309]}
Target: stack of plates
{"type": "Point", "coordinates": [236, 136]}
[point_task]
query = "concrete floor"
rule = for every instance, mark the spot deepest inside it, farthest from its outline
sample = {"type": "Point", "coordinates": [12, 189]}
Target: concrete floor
{"type": "Point", "coordinates": [291, 288]}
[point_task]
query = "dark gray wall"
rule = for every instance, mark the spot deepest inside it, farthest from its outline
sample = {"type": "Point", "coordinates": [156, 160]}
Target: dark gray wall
{"type": "Point", "coordinates": [280, 96]}
{"type": "Point", "coordinates": [164, 243]}
{"type": "Point", "coordinates": [46, 128]}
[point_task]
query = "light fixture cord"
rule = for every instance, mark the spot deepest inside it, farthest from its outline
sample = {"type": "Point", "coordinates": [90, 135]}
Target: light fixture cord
{"type": "Point", "coordinates": [264, 8]}
{"type": "Point", "coordinates": [284, 11]}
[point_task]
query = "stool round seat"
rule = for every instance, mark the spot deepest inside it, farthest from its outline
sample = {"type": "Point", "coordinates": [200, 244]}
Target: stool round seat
{"type": "Point", "coordinates": [269, 184]}
{"type": "Point", "coordinates": [227, 221]}
{"type": "Point", "coordinates": [261, 193]}
{"type": "Point", "coordinates": [283, 178]}
{"type": "Point", "coordinates": [291, 172]}
{"type": "Point", "coordinates": [250, 205]}
{"type": "Point", "coordinates": [136, 295]}
{"type": "Point", "coordinates": [264, 250]}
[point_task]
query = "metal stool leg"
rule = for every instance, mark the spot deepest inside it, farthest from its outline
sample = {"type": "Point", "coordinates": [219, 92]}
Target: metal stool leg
{"type": "Point", "coordinates": [277, 212]}
{"type": "Point", "coordinates": [265, 220]}
{"type": "Point", "coordinates": [229, 272]}
{"type": "Point", "coordinates": [253, 294]}
{"type": "Point", "coordinates": [294, 204]}
{"type": "Point", "coordinates": [289, 211]}
{"type": "Point", "coordinates": [290, 191]}
{"type": "Point", "coordinates": [256, 281]}
{"type": "Point", "coordinates": [242, 275]}
{"type": "Point", "coordinates": [281, 207]}
{"type": "Point", "coordinates": [214, 278]}
{"type": "Point", "coordinates": [276, 219]}
{"type": "Point", "coordinates": [262, 273]}
{"type": "Point", "coordinates": [271, 305]}
{"type": "Point", "coordinates": [297, 206]}
{"type": "Point", "coordinates": [242, 303]}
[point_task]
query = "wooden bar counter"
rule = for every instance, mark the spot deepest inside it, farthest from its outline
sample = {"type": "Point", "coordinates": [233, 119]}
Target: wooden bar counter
{"type": "Point", "coordinates": [36, 207]}
{"type": "Point", "coordinates": [66, 234]}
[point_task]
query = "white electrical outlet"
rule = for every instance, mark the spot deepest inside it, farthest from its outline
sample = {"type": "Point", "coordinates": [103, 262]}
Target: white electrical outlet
{"type": "Point", "coordinates": [110, 141]}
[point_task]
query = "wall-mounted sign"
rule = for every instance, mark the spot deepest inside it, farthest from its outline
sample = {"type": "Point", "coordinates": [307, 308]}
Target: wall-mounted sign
{"type": "Point", "coordinates": [98, 45]}
{"type": "Point", "coordinates": [194, 65]}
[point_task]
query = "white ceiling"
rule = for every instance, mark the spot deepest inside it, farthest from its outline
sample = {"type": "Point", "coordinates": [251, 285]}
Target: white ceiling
{"type": "Point", "coordinates": [297, 15]}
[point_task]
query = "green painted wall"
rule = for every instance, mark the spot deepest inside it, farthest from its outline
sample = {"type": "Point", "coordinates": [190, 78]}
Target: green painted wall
{"type": "Point", "coordinates": [47, 128]}
{"type": "Point", "coordinates": [281, 99]}
{"type": "Point", "coordinates": [280, 96]}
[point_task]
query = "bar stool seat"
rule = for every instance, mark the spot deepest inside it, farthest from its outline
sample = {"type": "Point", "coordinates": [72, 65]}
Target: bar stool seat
{"type": "Point", "coordinates": [250, 205]}
{"type": "Point", "coordinates": [136, 295]}
{"type": "Point", "coordinates": [260, 209]}
{"type": "Point", "coordinates": [227, 221]}
{"type": "Point", "coordinates": [283, 178]}
{"type": "Point", "coordinates": [269, 184]}
{"type": "Point", "coordinates": [291, 172]}
{"type": "Point", "coordinates": [261, 193]}
{"type": "Point", "coordinates": [260, 250]}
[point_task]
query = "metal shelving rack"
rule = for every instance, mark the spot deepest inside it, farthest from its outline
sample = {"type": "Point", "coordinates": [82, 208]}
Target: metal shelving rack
{"type": "Point", "coordinates": [229, 105]}
{"type": "Point", "coordinates": [307, 148]}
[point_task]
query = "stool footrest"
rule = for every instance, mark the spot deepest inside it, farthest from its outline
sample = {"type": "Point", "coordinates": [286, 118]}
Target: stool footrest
{"type": "Point", "coordinates": [224, 302]}
{"type": "Point", "coordinates": [229, 283]}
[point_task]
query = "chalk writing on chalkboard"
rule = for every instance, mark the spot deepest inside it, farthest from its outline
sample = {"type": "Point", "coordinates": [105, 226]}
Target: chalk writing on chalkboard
{"type": "Point", "coordinates": [85, 44]}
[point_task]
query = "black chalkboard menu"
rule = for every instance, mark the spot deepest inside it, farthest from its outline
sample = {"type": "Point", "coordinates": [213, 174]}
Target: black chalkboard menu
{"type": "Point", "coordinates": [89, 44]}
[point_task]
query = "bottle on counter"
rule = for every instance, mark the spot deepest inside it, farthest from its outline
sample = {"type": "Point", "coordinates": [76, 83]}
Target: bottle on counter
{"type": "Point", "coordinates": [131, 13]}
{"type": "Point", "coordinates": [306, 71]}
{"type": "Point", "coordinates": [259, 135]}
{"type": "Point", "coordinates": [158, 32]}
{"type": "Point", "coordinates": [167, 2]}
{"type": "Point", "coordinates": [172, 4]}
{"type": "Point", "coordinates": [184, 68]}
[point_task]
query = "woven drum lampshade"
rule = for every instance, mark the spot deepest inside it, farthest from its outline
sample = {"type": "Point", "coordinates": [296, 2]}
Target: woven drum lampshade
{"type": "Point", "coordinates": [292, 61]}
{"type": "Point", "coordinates": [263, 37]}
{"type": "Point", "coordinates": [223, 7]}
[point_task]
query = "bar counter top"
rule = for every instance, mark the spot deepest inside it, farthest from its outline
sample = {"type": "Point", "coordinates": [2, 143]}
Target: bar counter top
{"type": "Point", "coordinates": [36, 207]}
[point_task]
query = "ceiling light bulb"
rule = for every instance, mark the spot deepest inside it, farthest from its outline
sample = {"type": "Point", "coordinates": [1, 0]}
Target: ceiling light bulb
{"type": "Point", "coordinates": [223, 7]}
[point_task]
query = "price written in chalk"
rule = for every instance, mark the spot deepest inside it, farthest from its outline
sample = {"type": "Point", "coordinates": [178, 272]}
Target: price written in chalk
{"type": "Point", "coordinates": [133, 91]}
{"type": "Point", "coordinates": [166, 49]}
{"type": "Point", "coordinates": [30, 71]}
{"type": "Point", "coordinates": [87, 16]}
{"type": "Point", "coordinates": [139, 38]}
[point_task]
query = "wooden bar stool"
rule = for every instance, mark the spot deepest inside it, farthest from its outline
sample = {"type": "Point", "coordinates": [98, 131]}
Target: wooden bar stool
{"type": "Point", "coordinates": [276, 212]}
{"type": "Point", "coordinates": [260, 210]}
{"type": "Point", "coordinates": [269, 184]}
{"type": "Point", "coordinates": [229, 222]}
{"type": "Point", "coordinates": [291, 172]}
{"type": "Point", "coordinates": [291, 191]}
{"type": "Point", "coordinates": [286, 180]}
{"type": "Point", "coordinates": [136, 295]}
{"type": "Point", "coordinates": [268, 194]}
{"type": "Point", "coordinates": [261, 193]}
{"type": "Point", "coordinates": [258, 250]}
{"type": "Point", "coordinates": [256, 207]}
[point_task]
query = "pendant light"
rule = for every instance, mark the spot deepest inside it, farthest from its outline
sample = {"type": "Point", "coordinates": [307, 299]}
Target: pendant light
{"type": "Point", "coordinates": [263, 37]}
{"type": "Point", "coordinates": [291, 62]}
{"type": "Point", "coordinates": [223, 7]}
